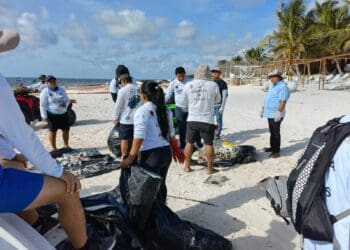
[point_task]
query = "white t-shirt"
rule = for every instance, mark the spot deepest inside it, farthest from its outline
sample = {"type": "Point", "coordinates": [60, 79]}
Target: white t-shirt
{"type": "Point", "coordinates": [176, 88]}
{"type": "Point", "coordinates": [127, 102]}
{"type": "Point", "coordinates": [338, 183]}
{"type": "Point", "coordinates": [146, 127]}
{"type": "Point", "coordinates": [17, 132]}
{"type": "Point", "coordinates": [113, 87]}
{"type": "Point", "coordinates": [39, 86]}
{"type": "Point", "coordinates": [199, 98]}
{"type": "Point", "coordinates": [53, 101]}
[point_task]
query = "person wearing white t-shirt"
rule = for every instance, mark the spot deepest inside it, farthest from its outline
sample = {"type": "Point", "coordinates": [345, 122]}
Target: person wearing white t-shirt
{"type": "Point", "coordinates": [200, 96]}
{"type": "Point", "coordinates": [39, 86]}
{"type": "Point", "coordinates": [154, 135]}
{"type": "Point", "coordinates": [113, 89]}
{"type": "Point", "coordinates": [337, 182]}
{"type": "Point", "coordinates": [127, 103]}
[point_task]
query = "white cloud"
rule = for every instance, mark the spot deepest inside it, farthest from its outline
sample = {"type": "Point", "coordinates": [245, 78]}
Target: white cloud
{"type": "Point", "coordinates": [185, 31]}
{"type": "Point", "coordinates": [130, 24]}
{"type": "Point", "coordinates": [32, 35]}
{"type": "Point", "coordinates": [45, 13]}
{"type": "Point", "coordinates": [79, 33]}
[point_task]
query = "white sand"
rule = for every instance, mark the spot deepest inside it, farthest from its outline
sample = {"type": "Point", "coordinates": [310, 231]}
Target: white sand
{"type": "Point", "coordinates": [242, 214]}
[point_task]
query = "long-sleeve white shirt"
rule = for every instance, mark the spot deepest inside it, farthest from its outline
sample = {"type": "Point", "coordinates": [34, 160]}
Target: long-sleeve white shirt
{"type": "Point", "coordinates": [127, 102]}
{"type": "Point", "coordinates": [199, 98]}
{"type": "Point", "coordinates": [17, 132]}
{"type": "Point", "coordinates": [39, 86]}
{"type": "Point", "coordinates": [337, 181]}
{"type": "Point", "coordinates": [176, 88]}
{"type": "Point", "coordinates": [7, 151]}
{"type": "Point", "coordinates": [55, 102]}
{"type": "Point", "coordinates": [113, 86]}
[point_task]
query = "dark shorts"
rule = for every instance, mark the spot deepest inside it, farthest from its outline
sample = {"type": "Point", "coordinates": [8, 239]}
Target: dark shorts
{"type": "Point", "coordinates": [200, 129]}
{"type": "Point", "coordinates": [18, 189]}
{"type": "Point", "coordinates": [57, 122]}
{"type": "Point", "coordinates": [126, 131]}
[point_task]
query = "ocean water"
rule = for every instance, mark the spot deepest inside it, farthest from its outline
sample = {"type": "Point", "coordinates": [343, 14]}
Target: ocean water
{"type": "Point", "coordinates": [16, 81]}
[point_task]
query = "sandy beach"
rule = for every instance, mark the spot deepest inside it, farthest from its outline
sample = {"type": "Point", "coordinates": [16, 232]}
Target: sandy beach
{"type": "Point", "coordinates": [240, 212]}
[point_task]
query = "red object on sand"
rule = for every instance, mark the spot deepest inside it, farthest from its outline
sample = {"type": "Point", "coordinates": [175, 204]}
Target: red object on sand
{"type": "Point", "coordinates": [178, 155]}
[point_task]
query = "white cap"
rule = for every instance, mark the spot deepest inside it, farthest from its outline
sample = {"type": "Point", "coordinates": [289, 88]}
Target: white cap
{"type": "Point", "coordinates": [275, 72]}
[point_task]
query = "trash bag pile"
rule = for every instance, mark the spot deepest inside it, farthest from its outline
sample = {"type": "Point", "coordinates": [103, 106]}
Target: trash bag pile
{"type": "Point", "coordinates": [132, 214]}
{"type": "Point", "coordinates": [85, 162]}
{"type": "Point", "coordinates": [114, 141]}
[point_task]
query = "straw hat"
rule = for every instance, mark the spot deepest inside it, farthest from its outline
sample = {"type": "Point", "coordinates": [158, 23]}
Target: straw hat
{"type": "Point", "coordinates": [9, 39]}
{"type": "Point", "coordinates": [275, 72]}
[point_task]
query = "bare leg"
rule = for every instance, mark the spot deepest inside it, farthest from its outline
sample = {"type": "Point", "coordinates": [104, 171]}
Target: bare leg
{"type": "Point", "coordinates": [188, 154]}
{"type": "Point", "coordinates": [69, 209]}
{"type": "Point", "coordinates": [52, 139]}
{"type": "Point", "coordinates": [30, 216]}
{"type": "Point", "coordinates": [209, 155]}
{"type": "Point", "coordinates": [65, 136]}
{"type": "Point", "coordinates": [124, 146]}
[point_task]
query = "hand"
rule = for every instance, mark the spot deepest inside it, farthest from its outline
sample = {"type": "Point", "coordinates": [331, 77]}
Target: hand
{"type": "Point", "coordinates": [127, 162]}
{"type": "Point", "coordinates": [45, 121]}
{"type": "Point", "coordinates": [278, 116]}
{"type": "Point", "coordinates": [221, 110]}
{"type": "Point", "coordinates": [262, 112]}
{"type": "Point", "coordinates": [20, 158]}
{"type": "Point", "coordinates": [178, 155]}
{"type": "Point", "coordinates": [72, 183]}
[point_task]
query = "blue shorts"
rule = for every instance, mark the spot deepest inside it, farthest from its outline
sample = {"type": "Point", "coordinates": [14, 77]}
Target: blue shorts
{"type": "Point", "coordinates": [18, 189]}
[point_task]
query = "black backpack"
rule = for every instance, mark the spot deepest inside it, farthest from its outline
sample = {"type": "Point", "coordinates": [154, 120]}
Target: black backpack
{"type": "Point", "coordinates": [306, 183]}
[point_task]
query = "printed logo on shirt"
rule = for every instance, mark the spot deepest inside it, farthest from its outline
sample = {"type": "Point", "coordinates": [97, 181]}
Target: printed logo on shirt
{"type": "Point", "coordinates": [134, 101]}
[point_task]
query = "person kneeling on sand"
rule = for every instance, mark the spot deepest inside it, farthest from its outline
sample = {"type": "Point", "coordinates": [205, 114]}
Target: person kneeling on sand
{"type": "Point", "coordinates": [200, 96]}
{"type": "Point", "coordinates": [127, 103]}
{"type": "Point", "coordinates": [154, 135]}
{"type": "Point", "coordinates": [274, 110]}
{"type": "Point", "coordinates": [53, 109]}
{"type": "Point", "coordinates": [21, 191]}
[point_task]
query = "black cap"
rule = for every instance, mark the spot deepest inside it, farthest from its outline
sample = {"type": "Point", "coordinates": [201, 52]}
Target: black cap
{"type": "Point", "coordinates": [50, 78]}
{"type": "Point", "coordinates": [121, 70]}
{"type": "Point", "coordinates": [42, 77]}
{"type": "Point", "coordinates": [180, 70]}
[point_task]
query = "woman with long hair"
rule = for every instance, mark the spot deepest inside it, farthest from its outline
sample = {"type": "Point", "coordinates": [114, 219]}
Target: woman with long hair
{"type": "Point", "coordinates": [154, 135]}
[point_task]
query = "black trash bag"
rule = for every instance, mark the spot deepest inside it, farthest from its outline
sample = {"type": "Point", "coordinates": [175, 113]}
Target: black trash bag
{"type": "Point", "coordinates": [114, 142]}
{"type": "Point", "coordinates": [60, 152]}
{"type": "Point", "coordinates": [139, 189]}
{"type": "Point", "coordinates": [166, 230]}
{"type": "Point", "coordinates": [245, 154]}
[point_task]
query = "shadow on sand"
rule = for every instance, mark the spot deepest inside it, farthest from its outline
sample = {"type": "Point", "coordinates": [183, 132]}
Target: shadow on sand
{"type": "Point", "coordinates": [91, 122]}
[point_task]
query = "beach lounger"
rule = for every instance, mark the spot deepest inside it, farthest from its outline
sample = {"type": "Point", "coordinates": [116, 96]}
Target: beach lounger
{"type": "Point", "coordinates": [15, 234]}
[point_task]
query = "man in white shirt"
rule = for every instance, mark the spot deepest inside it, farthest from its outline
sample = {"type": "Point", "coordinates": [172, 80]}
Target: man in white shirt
{"type": "Point", "coordinates": [39, 86]}
{"type": "Point", "coordinates": [20, 191]}
{"type": "Point", "coordinates": [113, 89]}
{"type": "Point", "coordinates": [200, 96]}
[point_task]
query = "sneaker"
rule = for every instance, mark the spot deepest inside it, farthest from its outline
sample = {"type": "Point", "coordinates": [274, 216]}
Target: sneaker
{"type": "Point", "coordinates": [105, 243]}
{"type": "Point", "coordinates": [267, 150]}
{"type": "Point", "coordinates": [274, 155]}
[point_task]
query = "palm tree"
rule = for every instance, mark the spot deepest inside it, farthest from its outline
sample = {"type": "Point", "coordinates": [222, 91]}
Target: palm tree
{"type": "Point", "coordinates": [294, 33]}
{"type": "Point", "coordinates": [333, 24]}
{"type": "Point", "coordinates": [237, 59]}
{"type": "Point", "coordinates": [255, 55]}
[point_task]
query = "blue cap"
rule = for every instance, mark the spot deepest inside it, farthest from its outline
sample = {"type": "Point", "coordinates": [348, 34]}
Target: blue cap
{"type": "Point", "coordinates": [49, 78]}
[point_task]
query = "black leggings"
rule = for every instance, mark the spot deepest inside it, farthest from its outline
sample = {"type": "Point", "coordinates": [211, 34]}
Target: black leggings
{"type": "Point", "coordinates": [114, 97]}
{"type": "Point", "coordinates": [158, 160]}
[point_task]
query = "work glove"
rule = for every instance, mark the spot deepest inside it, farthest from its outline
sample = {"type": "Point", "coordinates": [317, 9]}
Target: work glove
{"type": "Point", "coordinates": [262, 112]}
{"type": "Point", "coordinates": [178, 155]}
{"type": "Point", "coordinates": [278, 116]}
{"type": "Point", "coordinates": [221, 110]}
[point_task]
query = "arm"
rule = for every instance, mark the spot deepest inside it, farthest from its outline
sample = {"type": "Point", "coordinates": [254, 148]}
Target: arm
{"type": "Point", "coordinates": [185, 98]}
{"type": "Point", "coordinates": [6, 149]}
{"type": "Point", "coordinates": [224, 98]}
{"type": "Point", "coordinates": [283, 97]}
{"type": "Point", "coordinates": [22, 136]}
{"type": "Point", "coordinates": [43, 104]}
{"type": "Point", "coordinates": [169, 92]}
{"type": "Point", "coordinates": [118, 107]}
{"type": "Point", "coordinates": [66, 98]}
{"type": "Point", "coordinates": [217, 94]}
{"type": "Point", "coordinates": [282, 106]}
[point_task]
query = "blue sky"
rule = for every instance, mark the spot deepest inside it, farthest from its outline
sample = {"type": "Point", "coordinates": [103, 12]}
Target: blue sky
{"type": "Point", "coordinates": [88, 38]}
